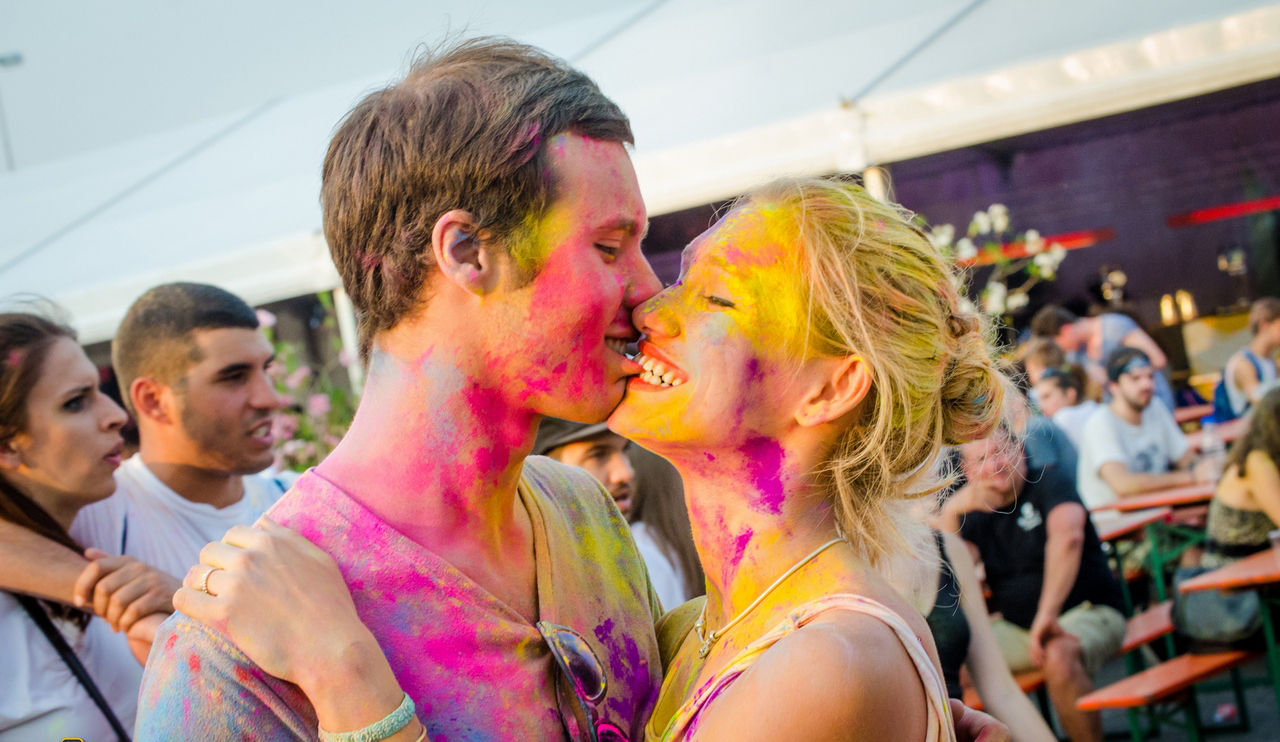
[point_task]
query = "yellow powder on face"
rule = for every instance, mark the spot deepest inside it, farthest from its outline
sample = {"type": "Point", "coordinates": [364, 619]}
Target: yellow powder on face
{"type": "Point", "coordinates": [757, 248]}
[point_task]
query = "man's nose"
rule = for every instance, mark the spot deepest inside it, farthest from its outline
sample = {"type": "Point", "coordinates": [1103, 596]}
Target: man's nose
{"type": "Point", "coordinates": [642, 282]}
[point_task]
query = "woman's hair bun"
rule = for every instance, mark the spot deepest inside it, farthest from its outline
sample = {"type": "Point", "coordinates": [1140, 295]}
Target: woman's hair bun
{"type": "Point", "coordinates": [973, 386]}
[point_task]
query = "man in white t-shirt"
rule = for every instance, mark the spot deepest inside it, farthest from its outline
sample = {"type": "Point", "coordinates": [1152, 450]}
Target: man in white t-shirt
{"type": "Point", "coordinates": [192, 365]}
{"type": "Point", "coordinates": [1132, 444]}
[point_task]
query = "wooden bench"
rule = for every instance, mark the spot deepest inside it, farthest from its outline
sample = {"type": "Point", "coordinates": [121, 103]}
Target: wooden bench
{"type": "Point", "coordinates": [1161, 683]}
{"type": "Point", "coordinates": [1147, 626]}
{"type": "Point", "coordinates": [1029, 681]}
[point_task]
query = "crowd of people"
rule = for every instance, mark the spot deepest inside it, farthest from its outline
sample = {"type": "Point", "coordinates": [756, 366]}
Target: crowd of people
{"type": "Point", "coordinates": [573, 504]}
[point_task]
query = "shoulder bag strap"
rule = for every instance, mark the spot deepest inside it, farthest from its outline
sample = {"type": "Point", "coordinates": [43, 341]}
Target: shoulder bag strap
{"type": "Point", "coordinates": [59, 643]}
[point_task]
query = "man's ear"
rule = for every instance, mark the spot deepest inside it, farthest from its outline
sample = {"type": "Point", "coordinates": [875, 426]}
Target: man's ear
{"type": "Point", "coordinates": [461, 254]}
{"type": "Point", "coordinates": [10, 456]}
{"type": "Point", "coordinates": [149, 397]}
{"type": "Point", "coordinates": [835, 393]}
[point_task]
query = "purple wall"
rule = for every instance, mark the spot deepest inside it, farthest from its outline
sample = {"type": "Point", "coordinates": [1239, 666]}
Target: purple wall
{"type": "Point", "coordinates": [1129, 172]}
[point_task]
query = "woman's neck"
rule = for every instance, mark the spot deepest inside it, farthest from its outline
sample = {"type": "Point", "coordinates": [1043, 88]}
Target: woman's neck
{"type": "Point", "coordinates": [755, 513]}
{"type": "Point", "coordinates": [60, 506]}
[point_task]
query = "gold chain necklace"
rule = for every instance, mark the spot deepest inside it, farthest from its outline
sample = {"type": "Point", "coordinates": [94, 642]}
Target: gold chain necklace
{"type": "Point", "coordinates": [708, 639]}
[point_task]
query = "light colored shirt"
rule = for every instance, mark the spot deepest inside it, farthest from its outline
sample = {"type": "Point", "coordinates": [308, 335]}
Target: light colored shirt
{"type": "Point", "coordinates": [39, 697]}
{"type": "Point", "coordinates": [1072, 420]}
{"type": "Point", "coordinates": [476, 669]}
{"type": "Point", "coordinates": [665, 575]}
{"type": "Point", "coordinates": [1150, 447]}
{"type": "Point", "coordinates": [1265, 368]}
{"type": "Point", "coordinates": [147, 520]}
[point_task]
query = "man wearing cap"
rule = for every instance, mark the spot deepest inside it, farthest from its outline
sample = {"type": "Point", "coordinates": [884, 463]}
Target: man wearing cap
{"type": "Point", "coordinates": [1132, 444]}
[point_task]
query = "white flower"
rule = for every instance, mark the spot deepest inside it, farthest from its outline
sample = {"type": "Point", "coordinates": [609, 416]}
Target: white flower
{"type": "Point", "coordinates": [993, 298]}
{"type": "Point", "coordinates": [981, 223]}
{"type": "Point", "coordinates": [966, 250]}
{"type": "Point", "coordinates": [1049, 261]}
{"type": "Point", "coordinates": [1017, 300]}
{"type": "Point", "coordinates": [942, 235]}
{"type": "Point", "coordinates": [999, 214]}
{"type": "Point", "coordinates": [1033, 242]}
{"type": "Point", "coordinates": [966, 306]}
{"type": "Point", "coordinates": [265, 319]}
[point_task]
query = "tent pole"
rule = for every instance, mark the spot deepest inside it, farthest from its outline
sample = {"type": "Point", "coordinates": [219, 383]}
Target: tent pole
{"type": "Point", "coordinates": [350, 343]}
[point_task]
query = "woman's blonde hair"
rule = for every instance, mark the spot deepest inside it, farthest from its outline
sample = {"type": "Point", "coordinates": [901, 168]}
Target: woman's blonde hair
{"type": "Point", "coordinates": [878, 289]}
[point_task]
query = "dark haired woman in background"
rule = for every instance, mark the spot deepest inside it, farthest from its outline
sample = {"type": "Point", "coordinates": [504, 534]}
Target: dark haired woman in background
{"type": "Point", "coordinates": [660, 522]}
{"type": "Point", "coordinates": [1246, 505]}
{"type": "Point", "coordinates": [59, 447]}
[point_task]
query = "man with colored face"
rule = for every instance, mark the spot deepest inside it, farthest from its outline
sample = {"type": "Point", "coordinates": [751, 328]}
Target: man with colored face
{"type": "Point", "coordinates": [192, 365]}
{"type": "Point", "coordinates": [1132, 445]}
{"type": "Point", "coordinates": [486, 220]}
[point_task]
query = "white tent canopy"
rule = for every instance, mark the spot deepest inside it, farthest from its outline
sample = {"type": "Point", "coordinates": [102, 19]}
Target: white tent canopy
{"type": "Point", "coordinates": [721, 94]}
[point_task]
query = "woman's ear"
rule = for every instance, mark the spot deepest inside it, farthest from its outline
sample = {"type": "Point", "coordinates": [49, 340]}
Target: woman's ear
{"type": "Point", "coordinates": [461, 255]}
{"type": "Point", "coordinates": [838, 391]}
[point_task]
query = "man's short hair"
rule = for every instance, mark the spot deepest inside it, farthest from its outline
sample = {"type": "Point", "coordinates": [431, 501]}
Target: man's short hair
{"type": "Point", "coordinates": [1124, 360]}
{"type": "Point", "coordinates": [1050, 320]}
{"type": "Point", "coordinates": [1266, 309]}
{"type": "Point", "coordinates": [467, 128]}
{"type": "Point", "coordinates": [1043, 352]}
{"type": "Point", "coordinates": [157, 337]}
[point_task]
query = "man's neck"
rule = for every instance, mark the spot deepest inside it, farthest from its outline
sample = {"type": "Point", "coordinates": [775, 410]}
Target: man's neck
{"type": "Point", "coordinates": [196, 484]}
{"type": "Point", "coordinates": [436, 453]}
{"type": "Point", "coordinates": [1125, 411]}
{"type": "Point", "coordinates": [1261, 346]}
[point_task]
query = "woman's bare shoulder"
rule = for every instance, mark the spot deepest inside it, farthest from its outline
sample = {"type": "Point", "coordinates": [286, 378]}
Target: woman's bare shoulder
{"type": "Point", "coordinates": [845, 676]}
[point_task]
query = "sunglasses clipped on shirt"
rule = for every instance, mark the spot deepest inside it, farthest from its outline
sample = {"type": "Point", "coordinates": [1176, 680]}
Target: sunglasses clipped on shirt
{"type": "Point", "coordinates": [580, 686]}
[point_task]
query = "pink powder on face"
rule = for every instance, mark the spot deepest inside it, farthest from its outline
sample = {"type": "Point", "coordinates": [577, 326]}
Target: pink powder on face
{"type": "Point", "coordinates": [764, 465]}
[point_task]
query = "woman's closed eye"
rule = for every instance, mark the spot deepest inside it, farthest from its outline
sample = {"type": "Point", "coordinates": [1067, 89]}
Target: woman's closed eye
{"type": "Point", "coordinates": [721, 302]}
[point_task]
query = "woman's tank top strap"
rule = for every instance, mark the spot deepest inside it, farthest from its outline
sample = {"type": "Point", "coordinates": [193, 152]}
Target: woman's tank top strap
{"type": "Point", "coordinates": [940, 726]}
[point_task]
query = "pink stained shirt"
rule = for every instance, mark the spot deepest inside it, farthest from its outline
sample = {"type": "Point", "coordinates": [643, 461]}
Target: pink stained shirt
{"type": "Point", "coordinates": [476, 670]}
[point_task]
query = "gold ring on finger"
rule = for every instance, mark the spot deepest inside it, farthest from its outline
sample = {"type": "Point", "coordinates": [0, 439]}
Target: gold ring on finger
{"type": "Point", "coordinates": [204, 581]}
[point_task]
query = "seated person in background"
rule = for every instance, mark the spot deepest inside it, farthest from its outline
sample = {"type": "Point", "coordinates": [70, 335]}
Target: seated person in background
{"type": "Point", "coordinates": [607, 457]}
{"type": "Point", "coordinates": [1090, 341]}
{"type": "Point", "coordinates": [950, 598]}
{"type": "Point", "coordinates": [1047, 447]}
{"type": "Point", "coordinates": [1251, 371]}
{"type": "Point", "coordinates": [1039, 355]}
{"type": "Point", "coordinates": [1059, 603]}
{"type": "Point", "coordinates": [1131, 443]}
{"type": "Point", "coordinates": [1246, 505]}
{"type": "Point", "coordinates": [660, 520]}
{"type": "Point", "coordinates": [59, 447]}
{"type": "Point", "coordinates": [1060, 395]}
{"type": "Point", "coordinates": [192, 363]}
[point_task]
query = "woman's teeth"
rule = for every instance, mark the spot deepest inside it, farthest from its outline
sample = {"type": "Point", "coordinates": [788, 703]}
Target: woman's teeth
{"type": "Point", "coordinates": [656, 373]}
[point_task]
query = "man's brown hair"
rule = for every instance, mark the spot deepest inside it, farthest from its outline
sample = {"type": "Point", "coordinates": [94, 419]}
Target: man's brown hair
{"type": "Point", "coordinates": [157, 337]}
{"type": "Point", "coordinates": [1048, 321]}
{"type": "Point", "coordinates": [467, 128]}
{"type": "Point", "coordinates": [1266, 309]}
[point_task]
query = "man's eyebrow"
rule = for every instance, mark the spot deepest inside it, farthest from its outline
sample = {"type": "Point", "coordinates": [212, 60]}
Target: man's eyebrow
{"type": "Point", "coordinates": [630, 226]}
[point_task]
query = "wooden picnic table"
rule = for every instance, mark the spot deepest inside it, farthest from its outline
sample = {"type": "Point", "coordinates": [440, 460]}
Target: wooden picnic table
{"type": "Point", "coordinates": [1177, 497]}
{"type": "Point", "coordinates": [1131, 523]}
{"type": "Point", "coordinates": [1260, 569]}
{"type": "Point", "coordinates": [1228, 431]}
{"type": "Point", "coordinates": [1194, 412]}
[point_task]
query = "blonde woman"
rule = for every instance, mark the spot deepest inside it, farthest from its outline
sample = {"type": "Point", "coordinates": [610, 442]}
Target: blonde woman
{"type": "Point", "coordinates": [802, 376]}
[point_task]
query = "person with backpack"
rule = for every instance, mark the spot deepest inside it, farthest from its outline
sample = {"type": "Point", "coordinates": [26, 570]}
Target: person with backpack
{"type": "Point", "coordinates": [1251, 371]}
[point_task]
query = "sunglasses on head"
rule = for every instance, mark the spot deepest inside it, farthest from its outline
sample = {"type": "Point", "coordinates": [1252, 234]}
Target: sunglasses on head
{"type": "Point", "coordinates": [581, 675]}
